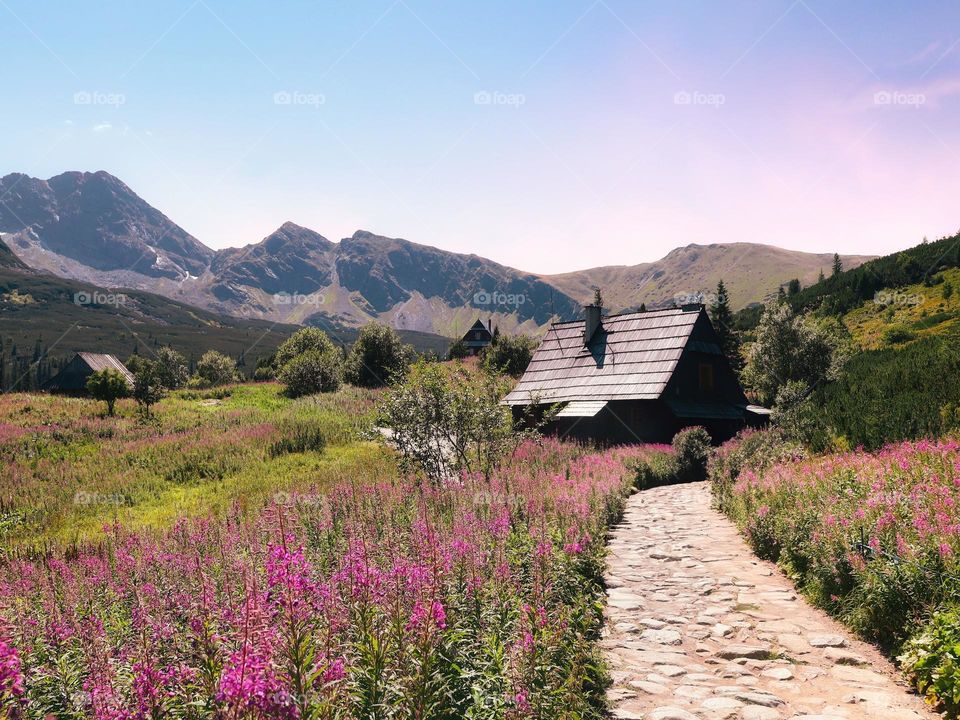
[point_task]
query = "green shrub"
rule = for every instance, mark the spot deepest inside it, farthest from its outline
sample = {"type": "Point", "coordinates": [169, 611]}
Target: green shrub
{"type": "Point", "coordinates": [691, 449]}
{"type": "Point", "coordinates": [659, 468]}
{"type": "Point", "coordinates": [686, 462]}
{"type": "Point", "coordinates": [378, 357]}
{"type": "Point", "coordinates": [215, 368]}
{"type": "Point", "coordinates": [509, 354]}
{"type": "Point", "coordinates": [754, 450]}
{"type": "Point", "coordinates": [264, 373]}
{"type": "Point", "coordinates": [897, 335]}
{"type": "Point", "coordinates": [932, 659]}
{"type": "Point", "coordinates": [312, 372]}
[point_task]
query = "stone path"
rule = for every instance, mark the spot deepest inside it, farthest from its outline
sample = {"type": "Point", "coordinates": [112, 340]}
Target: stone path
{"type": "Point", "coordinates": [698, 627]}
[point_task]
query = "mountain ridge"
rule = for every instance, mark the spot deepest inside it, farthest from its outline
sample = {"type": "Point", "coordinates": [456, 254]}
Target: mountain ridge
{"type": "Point", "coordinates": [92, 227]}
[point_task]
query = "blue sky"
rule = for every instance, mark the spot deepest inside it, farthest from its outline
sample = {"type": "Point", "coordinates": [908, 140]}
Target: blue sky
{"type": "Point", "coordinates": [549, 136]}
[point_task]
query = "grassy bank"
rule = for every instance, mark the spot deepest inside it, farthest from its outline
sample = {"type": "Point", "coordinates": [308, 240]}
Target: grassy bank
{"type": "Point", "coordinates": [870, 537]}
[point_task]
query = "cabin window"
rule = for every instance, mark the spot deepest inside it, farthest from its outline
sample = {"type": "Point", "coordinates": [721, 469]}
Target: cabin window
{"type": "Point", "coordinates": [706, 377]}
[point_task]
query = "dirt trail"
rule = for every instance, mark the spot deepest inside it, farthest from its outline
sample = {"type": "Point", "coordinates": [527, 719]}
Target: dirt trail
{"type": "Point", "coordinates": [698, 627]}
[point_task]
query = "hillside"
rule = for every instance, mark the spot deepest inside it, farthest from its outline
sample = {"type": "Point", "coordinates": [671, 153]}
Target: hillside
{"type": "Point", "coordinates": [751, 272]}
{"type": "Point", "coordinates": [899, 315]}
{"type": "Point", "coordinates": [93, 228]}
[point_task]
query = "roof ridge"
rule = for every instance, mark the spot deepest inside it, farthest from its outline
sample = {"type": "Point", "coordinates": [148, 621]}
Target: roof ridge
{"type": "Point", "coordinates": [661, 311]}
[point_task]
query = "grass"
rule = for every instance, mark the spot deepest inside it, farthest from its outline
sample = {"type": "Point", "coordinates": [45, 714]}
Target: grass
{"type": "Point", "coordinates": [69, 469]}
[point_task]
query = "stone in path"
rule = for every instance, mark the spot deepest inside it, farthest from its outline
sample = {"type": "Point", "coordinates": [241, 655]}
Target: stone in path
{"type": "Point", "coordinates": [698, 628]}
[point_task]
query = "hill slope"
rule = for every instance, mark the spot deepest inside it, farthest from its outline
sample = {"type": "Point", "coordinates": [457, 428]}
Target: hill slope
{"type": "Point", "coordinates": [751, 272]}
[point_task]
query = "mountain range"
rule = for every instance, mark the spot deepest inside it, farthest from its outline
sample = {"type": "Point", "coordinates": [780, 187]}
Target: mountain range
{"type": "Point", "coordinates": [91, 227]}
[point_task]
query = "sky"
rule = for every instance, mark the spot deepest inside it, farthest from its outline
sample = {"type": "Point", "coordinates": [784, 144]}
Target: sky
{"type": "Point", "coordinates": [549, 136]}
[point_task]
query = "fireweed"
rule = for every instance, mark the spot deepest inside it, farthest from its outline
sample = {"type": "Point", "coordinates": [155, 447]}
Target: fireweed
{"type": "Point", "coordinates": [392, 599]}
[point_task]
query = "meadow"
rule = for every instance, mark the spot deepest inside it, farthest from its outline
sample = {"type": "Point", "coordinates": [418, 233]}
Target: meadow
{"type": "Point", "coordinates": [69, 469]}
{"type": "Point", "coordinates": [264, 561]}
{"type": "Point", "coordinates": [871, 537]}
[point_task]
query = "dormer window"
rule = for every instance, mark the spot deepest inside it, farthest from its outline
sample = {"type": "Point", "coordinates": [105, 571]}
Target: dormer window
{"type": "Point", "coordinates": [706, 377]}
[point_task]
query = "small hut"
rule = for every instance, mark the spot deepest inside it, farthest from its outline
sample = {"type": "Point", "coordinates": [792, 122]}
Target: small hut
{"type": "Point", "coordinates": [72, 379]}
{"type": "Point", "coordinates": [478, 337]}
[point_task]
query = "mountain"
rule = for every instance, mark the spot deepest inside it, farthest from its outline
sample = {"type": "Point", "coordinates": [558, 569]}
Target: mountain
{"type": "Point", "coordinates": [96, 220]}
{"type": "Point", "coordinates": [751, 272]}
{"type": "Point", "coordinates": [66, 316]}
{"type": "Point", "coordinates": [92, 227]}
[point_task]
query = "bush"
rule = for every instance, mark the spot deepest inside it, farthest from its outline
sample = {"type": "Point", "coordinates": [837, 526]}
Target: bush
{"type": "Point", "coordinates": [658, 468]}
{"type": "Point", "coordinates": [897, 335]}
{"type": "Point", "coordinates": [264, 373]}
{"type": "Point", "coordinates": [932, 659]}
{"type": "Point", "coordinates": [308, 363]}
{"type": "Point", "coordinates": [312, 372]}
{"type": "Point", "coordinates": [377, 358]}
{"type": "Point", "coordinates": [754, 450]}
{"type": "Point", "coordinates": [686, 462]}
{"type": "Point", "coordinates": [303, 341]}
{"type": "Point", "coordinates": [509, 355]}
{"type": "Point", "coordinates": [214, 369]}
{"type": "Point", "coordinates": [691, 449]}
{"type": "Point", "coordinates": [458, 351]}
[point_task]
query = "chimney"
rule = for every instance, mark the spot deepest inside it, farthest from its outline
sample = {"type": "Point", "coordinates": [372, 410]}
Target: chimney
{"type": "Point", "coordinates": [591, 315]}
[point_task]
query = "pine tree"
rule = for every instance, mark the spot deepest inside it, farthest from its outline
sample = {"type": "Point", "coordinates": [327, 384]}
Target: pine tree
{"type": "Point", "coordinates": [837, 264]}
{"type": "Point", "coordinates": [643, 307]}
{"type": "Point", "coordinates": [821, 278]}
{"type": "Point", "coordinates": [722, 318]}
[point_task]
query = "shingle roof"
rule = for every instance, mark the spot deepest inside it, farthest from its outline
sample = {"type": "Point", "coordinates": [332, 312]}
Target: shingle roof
{"type": "Point", "coordinates": [98, 362]}
{"type": "Point", "coordinates": [632, 357]}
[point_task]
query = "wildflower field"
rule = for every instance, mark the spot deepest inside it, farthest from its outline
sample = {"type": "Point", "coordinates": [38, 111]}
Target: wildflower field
{"type": "Point", "coordinates": [265, 563]}
{"type": "Point", "coordinates": [871, 537]}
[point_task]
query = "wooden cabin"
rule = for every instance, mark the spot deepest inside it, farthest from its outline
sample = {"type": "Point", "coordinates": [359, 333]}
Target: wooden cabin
{"type": "Point", "coordinates": [635, 377]}
{"type": "Point", "coordinates": [477, 337]}
{"type": "Point", "coordinates": [72, 379]}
